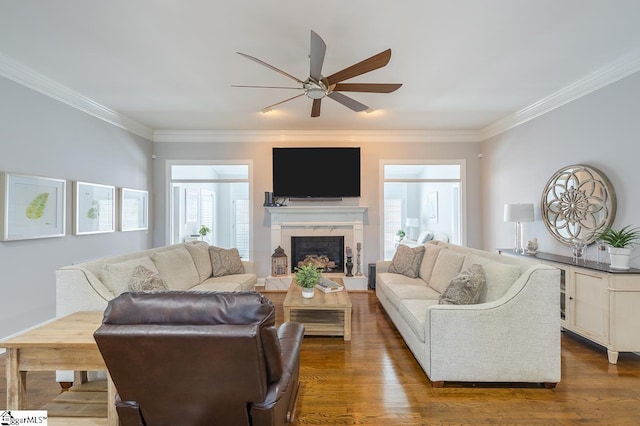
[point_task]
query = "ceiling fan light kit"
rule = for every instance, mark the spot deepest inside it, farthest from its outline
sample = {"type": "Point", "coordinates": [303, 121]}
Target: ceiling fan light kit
{"type": "Point", "coordinates": [317, 87]}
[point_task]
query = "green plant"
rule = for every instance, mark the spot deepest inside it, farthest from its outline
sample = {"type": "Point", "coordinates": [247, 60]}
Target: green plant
{"type": "Point", "coordinates": [204, 230]}
{"type": "Point", "coordinates": [622, 238]}
{"type": "Point", "coordinates": [307, 276]}
{"type": "Point", "coordinates": [400, 233]}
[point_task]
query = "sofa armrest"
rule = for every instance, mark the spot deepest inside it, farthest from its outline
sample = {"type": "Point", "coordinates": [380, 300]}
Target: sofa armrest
{"type": "Point", "coordinates": [516, 336]}
{"type": "Point", "coordinates": [382, 266]}
{"type": "Point", "coordinates": [249, 266]}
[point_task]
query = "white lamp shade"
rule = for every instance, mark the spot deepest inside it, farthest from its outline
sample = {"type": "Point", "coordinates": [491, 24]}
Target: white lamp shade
{"type": "Point", "coordinates": [412, 222]}
{"type": "Point", "coordinates": [518, 212]}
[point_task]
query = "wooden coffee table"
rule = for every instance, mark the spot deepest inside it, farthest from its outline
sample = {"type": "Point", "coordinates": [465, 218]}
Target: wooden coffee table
{"type": "Point", "coordinates": [325, 314]}
{"type": "Point", "coordinates": [62, 344]}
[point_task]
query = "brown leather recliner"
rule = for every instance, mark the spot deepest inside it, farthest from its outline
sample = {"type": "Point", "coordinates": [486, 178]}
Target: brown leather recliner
{"type": "Point", "coordinates": [200, 358]}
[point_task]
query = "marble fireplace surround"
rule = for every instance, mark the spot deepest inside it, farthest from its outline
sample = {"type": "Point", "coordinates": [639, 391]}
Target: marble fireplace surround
{"type": "Point", "coordinates": [345, 221]}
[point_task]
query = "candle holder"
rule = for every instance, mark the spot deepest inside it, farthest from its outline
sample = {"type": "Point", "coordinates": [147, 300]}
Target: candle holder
{"type": "Point", "coordinates": [349, 267]}
{"type": "Point", "coordinates": [358, 248]}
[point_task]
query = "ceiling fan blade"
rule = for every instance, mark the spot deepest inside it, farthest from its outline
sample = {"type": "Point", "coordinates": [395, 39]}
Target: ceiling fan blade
{"type": "Point", "coordinates": [281, 102]}
{"type": "Point", "coordinates": [370, 64]}
{"type": "Point", "coordinates": [315, 109]}
{"type": "Point", "coordinates": [347, 101]}
{"type": "Point", "coordinates": [367, 87]}
{"type": "Point", "coordinates": [318, 49]}
{"type": "Point", "coordinates": [268, 87]}
{"type": "Point", "coordinates": [270, 66]}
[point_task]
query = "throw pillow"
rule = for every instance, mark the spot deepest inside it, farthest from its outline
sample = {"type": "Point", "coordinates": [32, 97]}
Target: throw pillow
{"type": "Point", "coordinates": [176, 266]}
{"type": "Point", "coordinates": [424, 237]}
{"type": "Point", "coordinates": [406, 261]}
{"type": "Point", "coordinates": [225, 261]}
{"type": "Point", "coordinates": [143, 279]}
{"type": "Point", "coordinates": [115, 276]}
{"type": "Point", "coordinates": [464, 288]}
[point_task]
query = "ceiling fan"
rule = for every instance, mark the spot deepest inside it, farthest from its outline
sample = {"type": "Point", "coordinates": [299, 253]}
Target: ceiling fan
{"type": "Point", "coordinates": [317, 86]}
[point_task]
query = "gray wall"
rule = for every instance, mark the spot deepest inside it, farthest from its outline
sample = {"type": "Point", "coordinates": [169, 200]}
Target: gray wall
{"type": "Point", "coordinates": [600, 129]}
{"type": "Point", "coordinates": [41, 136]}
{"type": "Point", "coordinates": [371, 153]}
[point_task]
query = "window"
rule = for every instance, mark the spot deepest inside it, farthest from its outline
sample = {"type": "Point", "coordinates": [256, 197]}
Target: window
{"type": "Point", "coordinates": [419, 197]}
{"type": "Point", "coordinates": [215, 196]}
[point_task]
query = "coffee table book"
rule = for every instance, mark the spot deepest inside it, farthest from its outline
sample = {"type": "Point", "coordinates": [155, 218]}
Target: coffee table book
{"type": "Point", "coordinates": [327, 286]}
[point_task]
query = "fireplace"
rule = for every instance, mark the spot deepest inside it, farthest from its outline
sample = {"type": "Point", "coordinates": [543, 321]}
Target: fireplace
{"type": "Point", "coordinates": [326, 252]}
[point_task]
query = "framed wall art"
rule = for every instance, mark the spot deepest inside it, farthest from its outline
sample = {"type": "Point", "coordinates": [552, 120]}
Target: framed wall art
{"type": "Point", "coordinates": [432, 206]}
{"type": "Point", "coordinates": [31, 207]}
{"type": "Point", "coordinates": [134, 213]}
{"type": "Point", "coordinates": [94, 208]}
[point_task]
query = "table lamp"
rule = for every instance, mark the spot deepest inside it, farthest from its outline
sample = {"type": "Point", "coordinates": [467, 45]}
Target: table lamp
{"type": "Point", "coordinates": [518, 213]}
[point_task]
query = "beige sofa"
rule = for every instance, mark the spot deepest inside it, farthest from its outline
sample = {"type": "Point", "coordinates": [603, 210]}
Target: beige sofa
{"type": "Point", "coordinates": [511, 335]}
{"type": "Point", "coordinates": [89, 286]}
{"type": "Point", "coordinates": [186, 266]}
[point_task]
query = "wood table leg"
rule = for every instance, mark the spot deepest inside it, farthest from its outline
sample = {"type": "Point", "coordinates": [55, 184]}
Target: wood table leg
{"type": "Point", "coordinates": [287, 314]}
{"type": "Point", "coordinates": [347, 324]}
{"type": "Point", "coordinates": [16, 382]}
{"type": "Point", "coordinates": [112, 413]}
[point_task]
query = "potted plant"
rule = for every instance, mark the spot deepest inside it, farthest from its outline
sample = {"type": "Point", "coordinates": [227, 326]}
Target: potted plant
{"type": "Point", "coordinates": [619, 244]}
{"type": "Point", "coordinates": [204, 230]}
{"type": "Point", "coordinates": [307, 276]}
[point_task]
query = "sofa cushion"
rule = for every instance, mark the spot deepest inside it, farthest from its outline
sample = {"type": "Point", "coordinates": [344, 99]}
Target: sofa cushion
{"type": "Point", "coordinates": [143, 279]}
{"type": "Point", "coordinates": [199, 251]}
{"type": "Point", "coordinates": [115, 276]}
{"type": "Point", "coordinates": [225, 261]}
{"type": "Point", "coordinates": [414, 312]}
{"type": "Point", "coordinates": [447, 265]}
{"type": "Point", "coordinates": [406, 261]}
{"type": "Point", "coordinates": [177, 268]}
{"type": "Point", "coordinates": [398, 287]}
{"type": "Point", "coordinates": [236, 282]}
{"type": "Point", "coordinates": [498, 276]}
{"type": "Point", "coordinates": [431, 252]}
{"type": "Point", "coordinates": [464, 288]}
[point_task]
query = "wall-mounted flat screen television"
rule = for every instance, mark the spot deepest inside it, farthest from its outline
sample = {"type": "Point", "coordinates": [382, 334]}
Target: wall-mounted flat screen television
{"type": "Point", "coordinates": [316, 172]}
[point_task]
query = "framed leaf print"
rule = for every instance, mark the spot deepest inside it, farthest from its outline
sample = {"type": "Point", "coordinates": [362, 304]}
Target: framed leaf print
{"type": "Point", "coordinates": [31, 207]}
{"type": "Point", "coordinates": [134, 214]}
{"type": "Point", "coordinates": [94, 208]}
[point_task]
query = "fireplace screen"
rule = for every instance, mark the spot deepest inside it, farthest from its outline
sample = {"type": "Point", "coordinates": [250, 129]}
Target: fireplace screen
{"type": "Point", "coordinates": [324, 252]}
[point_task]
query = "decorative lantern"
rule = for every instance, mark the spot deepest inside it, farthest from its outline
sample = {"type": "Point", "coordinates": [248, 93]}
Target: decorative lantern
{"type": "Point", "coordinates": [279, 263]}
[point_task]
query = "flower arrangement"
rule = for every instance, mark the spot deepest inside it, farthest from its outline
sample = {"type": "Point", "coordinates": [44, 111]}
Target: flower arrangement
{"type": "Point", "coordinates": [307, 276]}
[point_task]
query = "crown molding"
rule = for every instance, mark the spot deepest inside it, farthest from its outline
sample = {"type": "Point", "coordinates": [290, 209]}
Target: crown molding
{"type": "Point", "coordinates": [617, 70]}
{"type": "Point", "coordinates": [26, 76]}
{"type": "Point", "coordinates": [275, 136]}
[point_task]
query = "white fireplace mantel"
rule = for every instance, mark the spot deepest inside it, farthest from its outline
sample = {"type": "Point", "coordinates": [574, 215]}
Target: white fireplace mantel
{"type": "Point", "coordinates": [345, 221]}
{"type": "Point", "coordinates": [280, 215]}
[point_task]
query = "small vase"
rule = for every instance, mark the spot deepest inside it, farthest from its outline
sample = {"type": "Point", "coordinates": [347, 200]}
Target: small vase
{"type": "Point", "coordinates": [619, 258]}
{"type": "Point", "coordinates": [308, 292]}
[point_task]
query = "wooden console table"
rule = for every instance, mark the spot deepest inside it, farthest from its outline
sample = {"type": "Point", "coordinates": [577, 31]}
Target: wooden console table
{"type": "Point", "coordinates": [597, 302]}
{"type": "Point", "coordinates": [62, 344]}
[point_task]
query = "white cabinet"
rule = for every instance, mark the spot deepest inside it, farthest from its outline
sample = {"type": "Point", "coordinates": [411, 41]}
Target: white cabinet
{"type": "Point", "coordinates": [587, 304]}
{"type": "Point", "coordinates": [597, 303]}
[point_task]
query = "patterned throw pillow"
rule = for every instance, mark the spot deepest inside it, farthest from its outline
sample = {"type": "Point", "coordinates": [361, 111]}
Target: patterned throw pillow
{"type": "Point", "coordinates": [143, 279]}
{"type": "Point", "coordinates": [406, 261]}
{"type": "Point", "coordinates": [225, 261]}
{"type": "Point", "coordinates": [464, 288]}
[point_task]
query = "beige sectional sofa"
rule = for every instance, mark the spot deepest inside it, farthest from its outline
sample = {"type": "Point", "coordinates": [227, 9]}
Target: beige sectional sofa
{"type": "Point", "coordinates": [512, 334]}
{"type": "Point", "coordinates": [186, 266]}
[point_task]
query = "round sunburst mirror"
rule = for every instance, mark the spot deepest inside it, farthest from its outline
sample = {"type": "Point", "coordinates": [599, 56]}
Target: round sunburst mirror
{"type": "Point", "coordinates": [577, 202]}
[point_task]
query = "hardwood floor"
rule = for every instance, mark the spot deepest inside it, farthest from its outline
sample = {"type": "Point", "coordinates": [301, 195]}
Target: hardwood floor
{"type": "Point", "coordinates": [374, 380]}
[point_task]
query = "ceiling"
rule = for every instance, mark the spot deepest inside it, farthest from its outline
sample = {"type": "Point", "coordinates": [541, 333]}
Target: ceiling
{"type": "Point", "coordinates": [465, 65]}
